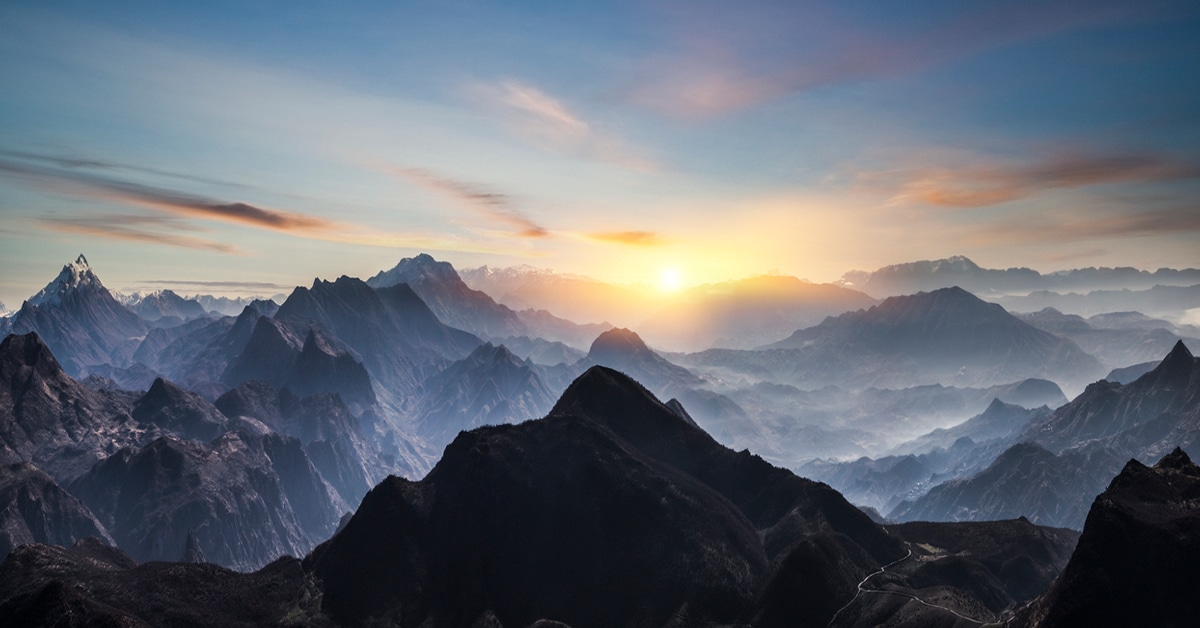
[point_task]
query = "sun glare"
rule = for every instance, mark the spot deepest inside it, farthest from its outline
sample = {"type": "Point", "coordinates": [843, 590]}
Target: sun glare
{"type": "Point", "coordinates": [670, 280]}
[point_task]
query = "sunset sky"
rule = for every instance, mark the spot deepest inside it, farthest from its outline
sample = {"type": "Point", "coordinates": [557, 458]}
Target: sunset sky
{"type": "Point", "coordinates": [246, 147]}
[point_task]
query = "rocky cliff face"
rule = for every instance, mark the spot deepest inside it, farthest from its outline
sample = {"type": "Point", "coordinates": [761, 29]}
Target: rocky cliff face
{"type": "Point", "coordinates": [53, 421]}
{"type": "Point", "coordinates": [1138, 560]}
{"type": "Point", "coordinates": [248, 499]}
{"type": "Point", "coordinates": [34, 509]}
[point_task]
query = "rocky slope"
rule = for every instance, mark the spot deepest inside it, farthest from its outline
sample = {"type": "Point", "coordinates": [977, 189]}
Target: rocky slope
{"type": "Point", "coordinates": [37, 510]}
{"type": "Point", "coordinates": [1137, 562]}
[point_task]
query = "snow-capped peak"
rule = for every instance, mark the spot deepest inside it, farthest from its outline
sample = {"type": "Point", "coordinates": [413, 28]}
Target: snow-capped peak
{"type": "Point", "coordinates": [74, 276]}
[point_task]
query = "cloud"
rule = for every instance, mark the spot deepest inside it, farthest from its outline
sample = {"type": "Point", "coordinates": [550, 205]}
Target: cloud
{"type": "Point", "coordinates": [631, 238]}
{"type": "Point", "coordinates": [723, 58]}
{"type": "Point", "coordinates": [1091, 226]}
{"type": "Point", "coordinates": [128, 228]}
{"type": "Point", "coordinates": [73, 162]}
{"type": "Point", "coordinates": [492, 205]}
{"type": "Point", "coordinates": [248, 285]}
{"type": "Point", "coordinates": [980, 186]}
{"type": "Point", "coordinates": [91, 185]}
{"type": "Point", "coordinates": [547, 122]}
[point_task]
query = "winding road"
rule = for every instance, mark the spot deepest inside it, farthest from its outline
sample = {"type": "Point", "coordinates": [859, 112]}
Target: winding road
{"type": "Point", "coordinates": [882, 569]}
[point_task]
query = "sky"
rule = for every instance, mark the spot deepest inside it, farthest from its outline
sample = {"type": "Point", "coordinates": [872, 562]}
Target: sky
{"type": "Point", "coordinates": [248, 147]}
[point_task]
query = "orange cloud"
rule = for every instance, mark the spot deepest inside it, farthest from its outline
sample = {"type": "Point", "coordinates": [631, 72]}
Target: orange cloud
{"type": "Point", "coordinates": [114, 228]}
{"type": "Point", "coordinates": [631, 238]}
{"type": "Point", "coordinates": [980, 186]}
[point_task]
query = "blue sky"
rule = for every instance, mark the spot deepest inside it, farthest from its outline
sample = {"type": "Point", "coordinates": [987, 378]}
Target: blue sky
{"type": "Point", "coordinates": [270, 143]}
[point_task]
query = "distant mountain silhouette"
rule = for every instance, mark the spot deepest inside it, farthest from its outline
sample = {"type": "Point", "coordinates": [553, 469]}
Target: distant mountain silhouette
{"type": "Point", "coordinates": [456, 304]}
{"type": "Point", "coordinates": [162, 304]}
{"type": "Point", "coordinates": [390, 329]}
{"type": "Point", "coordinates": [746, 313]}
{"type": "Point", "coordinates": [947, 336]}
{"type": "Point", "coordinates": [1024, 481]}
{"type": "Point", "coordinates": [78, 318]}
{"type": "Point", "coordinates": [623, 350]}
{"type": "Point", "coordinates": [488, 387]}
{"type": "Point", "coordinates": [1115, 345]}
{"type": "Point", "coordinates": [928, 275]}
{"type": "Point", "coordinates": [575, 297]}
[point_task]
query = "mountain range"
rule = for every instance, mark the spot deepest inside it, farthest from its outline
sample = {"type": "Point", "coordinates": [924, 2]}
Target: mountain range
{"type": "Point", "coordinates": [432, 457]}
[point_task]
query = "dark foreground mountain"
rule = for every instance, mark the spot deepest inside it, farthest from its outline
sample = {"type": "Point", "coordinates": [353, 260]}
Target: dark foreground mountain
{"type": "Point", "coordinates": [1138, 560]}
{"type": "Point", "coordinates": [667, 522]}
{"type": "Point", "coordinates": [92, 584]}
{"type": "Point", "coordinates": [614, 510]}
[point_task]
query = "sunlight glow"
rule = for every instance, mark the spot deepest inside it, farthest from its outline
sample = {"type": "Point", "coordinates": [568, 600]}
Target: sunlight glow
{"type": "Point", "coordinates": [670, 280]}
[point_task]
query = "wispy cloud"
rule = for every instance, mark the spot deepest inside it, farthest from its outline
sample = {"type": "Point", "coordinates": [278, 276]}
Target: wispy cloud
{"type": "Point", "coordinates": [492, 205]}
{"type": "Point", "coordinates": [248, 285]}
{"type": "Point", "coordinates": [67, 161]}
{"type": "Point", "coordinates": [185, 205]}
{"type": "Point", "coordinates": [983, 185]}
{"type": "Point", "coordinates": [91, 185]}
{"type": "Point", "coordinates": [723, 58]}
{"type": "Point", "coordinates": [131, 229]}
{"type": "Point", "coordinates": [1083, 226]}
{"type": "Point", "coordinates": [549, 123]}
{"type": "Point", "coordinates": [631, 238]}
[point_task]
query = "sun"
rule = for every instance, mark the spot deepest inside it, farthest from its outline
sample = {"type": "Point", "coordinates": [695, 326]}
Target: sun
{"type": "Point", "coordinates": [670, 280]}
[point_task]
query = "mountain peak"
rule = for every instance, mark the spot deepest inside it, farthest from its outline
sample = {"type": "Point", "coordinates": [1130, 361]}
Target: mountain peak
{"type": "Point", "coordinates": [1177, 460]}
{"type": "Point", "coordinates": [415, 270]}
{"type": "Point", "coordinates": [75, 276]}
{"type": "Point", "coordinates": [26, 350]}
{"type": "Point", "coordinates": [617, 342]}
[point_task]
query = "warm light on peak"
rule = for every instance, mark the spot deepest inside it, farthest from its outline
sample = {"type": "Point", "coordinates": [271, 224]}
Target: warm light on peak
{"type": "Point", "coordinates": [670, 280]}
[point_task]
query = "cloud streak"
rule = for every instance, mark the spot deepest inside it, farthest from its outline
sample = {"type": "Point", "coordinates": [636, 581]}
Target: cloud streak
{"type": "Point", "coordinates": [548, 123]}
{"type": "Point", "coordinates": [180, 203]}
{"type": "Point", "coordinates": [494, 206]}
{"type": "Point", "coordinates": [71, 162]}
{"type": "Point", "coordinates": [981, 186]}
{"type": "Point", "coordinates": [629, 238]}
{"type": "Point", "coordinates": [1092, 226]}
{"type": "Point", "coordinates": [126, 228]}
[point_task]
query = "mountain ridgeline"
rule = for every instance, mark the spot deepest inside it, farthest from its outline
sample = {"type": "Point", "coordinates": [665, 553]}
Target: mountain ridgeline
{"type": "Point", "coordinates": [409, 451]}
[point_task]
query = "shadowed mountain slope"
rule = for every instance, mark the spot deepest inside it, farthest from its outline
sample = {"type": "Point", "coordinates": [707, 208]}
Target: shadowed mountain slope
{"type": "Point", "coordinates": [1138, 560]}
{"type": "Point", "coordinates": [667, 520]}
{"type": "Point", "coordinates": [53, 421]}
{"type": "Point", "coordinates": [33, 509]}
